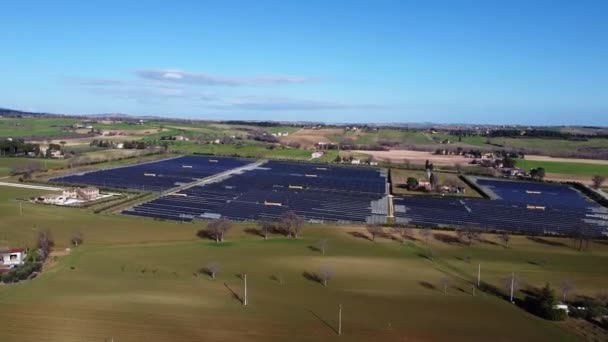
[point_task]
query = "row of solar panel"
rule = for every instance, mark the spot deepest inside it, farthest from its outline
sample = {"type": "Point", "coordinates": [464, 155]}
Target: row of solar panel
{"type": "Point", "coordinates": [156, 176]}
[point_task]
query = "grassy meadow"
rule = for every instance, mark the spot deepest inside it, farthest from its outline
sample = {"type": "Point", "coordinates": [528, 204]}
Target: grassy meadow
{"type": "Point", "coordinates": [571, 168]}
{"type": "Point", "coordinates": [399, 182]}
{"type": "Point", "coordinates": [136, 279]}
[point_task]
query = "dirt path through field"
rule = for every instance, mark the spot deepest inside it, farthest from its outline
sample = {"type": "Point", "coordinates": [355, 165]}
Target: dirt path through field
{"type": "Point", "coordinates": [416, 157]}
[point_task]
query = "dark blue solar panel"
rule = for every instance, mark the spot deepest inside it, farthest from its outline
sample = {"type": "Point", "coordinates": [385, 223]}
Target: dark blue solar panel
{"type": "Point", "coordinates": [313, 191]}
{"type": "Point", "coordinates": [156, 176]}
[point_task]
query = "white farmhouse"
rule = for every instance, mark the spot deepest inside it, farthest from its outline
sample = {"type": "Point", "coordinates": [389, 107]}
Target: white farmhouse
{"type": "Point", "coordinates": [12, 257]}
{"type": "Point", "coordinates": [317, 154]}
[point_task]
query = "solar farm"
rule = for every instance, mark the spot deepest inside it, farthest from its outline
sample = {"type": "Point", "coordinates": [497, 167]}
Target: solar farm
{"type": "Point", "coordinates": [526, 207]}
{"type": "Point", "coordinates": [202, 187]}
{"type": "Point", "coordinates": [315, 192]}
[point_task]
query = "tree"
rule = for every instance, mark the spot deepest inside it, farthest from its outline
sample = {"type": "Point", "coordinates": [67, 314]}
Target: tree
{"type": "Point", "coordinates": [292, 224]}
{"type": "Point", "coordinates": [374, 230]}
{"type": "Point", "coordinates": [45, 243]}
{"type": "Point", "coordinates": [445, 282]}
{"type": "Point", "coordinates": [544, 305]}
{"type": "Point", "coordinates": [581, 238]}
{"type": "Point", "coordinates": [212, 269]}
{"type": "Point", "coordinates": [325, 274]}
{"type": "Point", "coordinates": [218, 228]}
{"type": "Point", "coordinates": [566, 286]}
{"type": "Point", "coordinates": [458, 167]}
{"type": "Point", "coordinates": [323, 244]}
{"type": "Point", "coordinates": [538, 173]}
{"type": "Point", "coordinates": [77, 239]}
{"type": "Point", "coordinates": [468, 235]}
{"type": "Point", "coordinates": [426, 234]}
{"type": "Point", "coordinates": [434, 180]}
{"type": "Point", "coordinates": [403, 232]}
{"type": "Point", "coordinates": [412, 183]}
{"type": "Point", "coordinates": [505, 238]}
{"type": "Point", "coordinates": [266, 227]}
{"type": "Point", "coordinates": [598, 181]}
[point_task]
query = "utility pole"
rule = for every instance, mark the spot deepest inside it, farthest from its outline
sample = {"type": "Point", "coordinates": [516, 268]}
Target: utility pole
{"type": "Point", "coordinates": [479, 275]}
{"type": "Point", "coordinates": [512, 285]}
{"type": "Point", "coordinates": [245, 280]}
{"type": "Point", "coordinates": [340, 320]}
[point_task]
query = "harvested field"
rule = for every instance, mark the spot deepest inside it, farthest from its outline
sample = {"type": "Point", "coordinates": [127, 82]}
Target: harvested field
{"type": "Point", "coordinates": [308, 137]}
{"type": "Point", "coordinates": [416, 157]}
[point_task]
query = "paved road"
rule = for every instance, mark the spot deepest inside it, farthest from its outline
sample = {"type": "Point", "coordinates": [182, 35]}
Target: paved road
{"type": "Point", "coordinates": [30, 186]}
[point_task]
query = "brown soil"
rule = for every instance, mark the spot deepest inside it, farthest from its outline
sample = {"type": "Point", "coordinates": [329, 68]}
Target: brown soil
{"type": "Point", "coordinates": [417, 157]}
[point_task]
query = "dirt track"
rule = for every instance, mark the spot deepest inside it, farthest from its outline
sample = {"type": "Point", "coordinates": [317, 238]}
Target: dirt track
{"type": "Point", "coordinates": [416, 157]}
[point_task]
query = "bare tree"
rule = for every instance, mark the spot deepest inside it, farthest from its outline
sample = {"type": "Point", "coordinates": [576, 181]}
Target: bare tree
{"type": "Point", "coordinates": [325, 274]}
{"type": "Point", "coordinates": [403, 233]}
{"type": "Point", "coordinates": [445, 282]}
{"type": "Point", "coordinates": [598, 181]}
{"type": "Point", "coordinates": [374, 230]}
{"type": "Point", "coordinates": [266, 227]}
{"type": "Point", "coordinates": [468, 235]}
{"type": "Point", "coordinates": [505, 238]}
{"type": "Point", "coordinates": [581, 238]}
{"type": "Point", "coordinates": [77, 239]}
{"type": "Point", "coordinates": [323, 244]}
{"type": "Point", "coordinates": [566, 286]}
{"type": "Point", "coordinates": [212, 269]}
{"type": "Point", "coordinates": [218, 228]}
{"type": "Point", "coordinates": [426, 234]}
{"type": "Point", "coordinates": [458, 167]}
{"type": "Point", "coordinates": [292, 224]}
{"type": "Point", "coordinates": [45, 243]}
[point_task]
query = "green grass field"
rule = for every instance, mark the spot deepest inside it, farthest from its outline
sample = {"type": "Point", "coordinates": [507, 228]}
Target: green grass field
{"type": "Point", "coordinates": [25, 127]}
{"type": "Point", "coordinates": [6, 164]}
{"type": "Point", "coordinates": [388, 291]}
{"type": "Point", "coordinates": [565, 167]}
{"type": "Point", "coordinates": [399, 181]}
{"type": "Point", "coordinates": [247, 149]}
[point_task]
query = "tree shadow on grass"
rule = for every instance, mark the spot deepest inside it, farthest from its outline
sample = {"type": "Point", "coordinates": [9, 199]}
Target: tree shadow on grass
{"type": "Point", "coordinates": [314, 248]}
{"type": "Point", "coordinates": [204, 234]}
{"type": "Point", "coordinates": [312, 277]}
{"type": "Point", "coordinates": [428, 285]}
{"type": "Point", "coordinates": [489, 242]}
{"type": "Point", "coordinates": [327, 324]}
{"type": "Point", "coordinates": [233, 294]}
{"type": "Point", "coordinates": [445, 238]}
{"type": "Point", "coordinates": [543, 241]}
{"type": "Point", "coordinates": [254, 232]}
{"type": "Point", "coordinates": [360, 235]}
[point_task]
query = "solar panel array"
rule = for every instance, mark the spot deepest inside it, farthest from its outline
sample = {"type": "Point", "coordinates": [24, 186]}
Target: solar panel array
{"type": "Point", "coordinates": [314, 192]}
{"type": "Point", "coordinates": [540, 194]}
{"type": "Point", "coordinates": [156, 176]}
{"type": "Point", "coordinates": [527, 207]}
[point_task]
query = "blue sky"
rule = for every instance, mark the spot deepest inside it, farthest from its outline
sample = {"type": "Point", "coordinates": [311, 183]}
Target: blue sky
{"type": "Point", "coordinates": [524, 62]}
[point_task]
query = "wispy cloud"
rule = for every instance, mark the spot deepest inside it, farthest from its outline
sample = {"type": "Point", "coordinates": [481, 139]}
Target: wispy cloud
{"type": "Point", "coordinates": [198, 78]}
{"type": "Point", "coordinates": [282, 104]}
{"type": "Point", "coordinates": [189, 89]}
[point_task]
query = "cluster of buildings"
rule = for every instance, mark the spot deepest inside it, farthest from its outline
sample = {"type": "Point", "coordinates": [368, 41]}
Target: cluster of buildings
{"type": "Point", "coordinates": [280, 134]}
{"type": "Point", "coordinates": [72, 196]}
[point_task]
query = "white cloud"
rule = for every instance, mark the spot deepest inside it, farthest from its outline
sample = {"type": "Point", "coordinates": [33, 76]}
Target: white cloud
{"type": "Point", "coordinates": [198, 78]}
